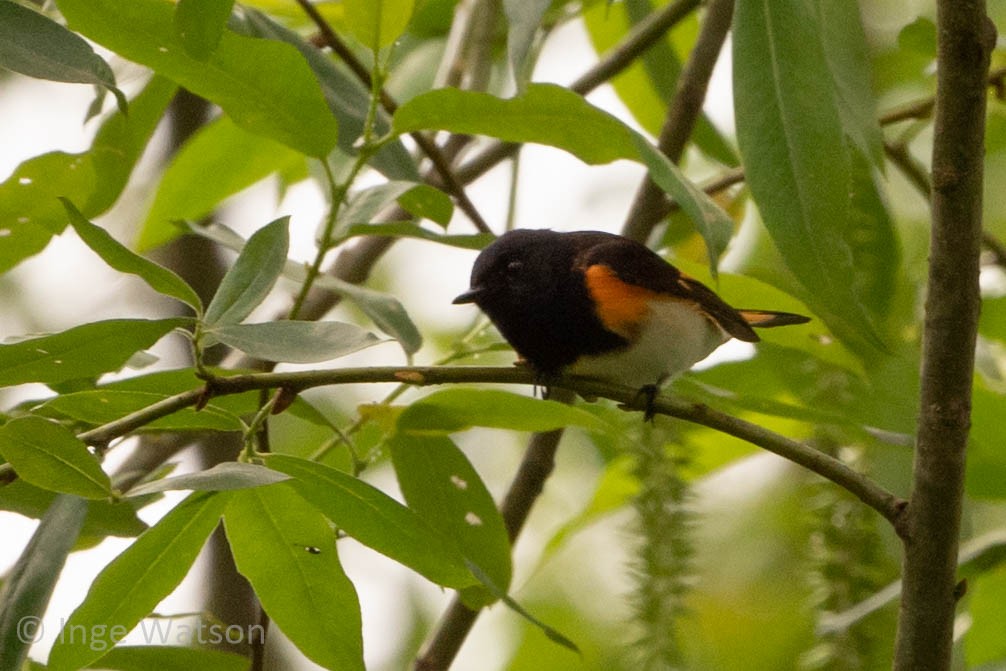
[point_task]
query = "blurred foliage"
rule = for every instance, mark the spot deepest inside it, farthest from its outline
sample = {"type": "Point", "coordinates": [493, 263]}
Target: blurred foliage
{"type": "Point", "coordinates": [664, 546]}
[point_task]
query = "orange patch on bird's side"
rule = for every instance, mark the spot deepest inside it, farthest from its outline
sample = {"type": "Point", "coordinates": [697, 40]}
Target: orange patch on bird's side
{"type": "Point", "coordinates": [620, 306]}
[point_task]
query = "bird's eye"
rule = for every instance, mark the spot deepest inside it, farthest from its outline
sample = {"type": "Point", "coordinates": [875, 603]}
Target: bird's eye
{"type": "Point", "coordinates": [514, 267]}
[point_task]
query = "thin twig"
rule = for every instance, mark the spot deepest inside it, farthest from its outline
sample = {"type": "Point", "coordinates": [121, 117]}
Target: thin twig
{"type": "Point", "coordinates": [440, 163]}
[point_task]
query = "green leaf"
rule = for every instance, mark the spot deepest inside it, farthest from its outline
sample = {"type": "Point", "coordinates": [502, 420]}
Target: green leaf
{"type": "Point", "coordinates": [132, 585]}
{"type": "Point", "coordinates": [103, 405]}
{"type": "Point", "coordinates": [295, 341]}
{"type": "Point", "coordinates": [457, 409]}
{"type": "Point", "coordinates": [793, 143]}
{"type": "Point", "coordinates": [553, 634]}
{"type": "Point", "coordinates": [265, 86]}
{"type": "Point", "coordinates": [170, 658]}
{"type": "Point", "coordinates": [346, 97]}
{"type": "Point", "coordinates": [222, 477]}
{"type": "Point", "coordinates": [406, 229]}
{"type": "Point", "coordinates": [200, 24]}
{"type": "Point", "coordinates": [48, 455]}
{"type": "Point", "coordinates": [440, 484]}
{"type": "Point", "coordinates": [545, 113]}
{"type": "Point", "coordinates": [29, 583]}
{"type": "Point", "coordinates": [551, 115]}
{"type": "Point", "coordinates": [848, 59]}
{"type": "Point", "coordinates": [104, 518]}
{"type": "Point", "coordinates": [377, 23]}
{"type": "Point", "coordinates": [203, 173]}
{"type": "Point", "coordinates": [523, 17]}
{"type": "Point", "coordinates": [986, 464]}
{"type": "Point", "coordinates": [29, 210]}
{"type": "Point", "coordinates": [252, 276]}
{"type": "Point", "coordinates": [419, 199]}
{"type": "Point", "coordinates": [984, 643]}
{"type": "Point", "coordinates": [35, 45]}
{"type": "Point", "coordinates": [709, 219]}
{"type": "Point", "coordinates": [377, 520]}
{"type": "Point", "coordinates": [384, 310]}
{"type": "Point", "coordinates": [274, 532]}
{"type": "Point", "coordinates": [647, 86]}
{"type": "Point", "coordinates": [124, 260]}
{"type": "Point", "coordinates": [81, 352]}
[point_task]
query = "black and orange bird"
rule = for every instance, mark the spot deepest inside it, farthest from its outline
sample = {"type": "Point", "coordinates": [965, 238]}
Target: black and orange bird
{"type": "Point", "coordinates": [604, 306]}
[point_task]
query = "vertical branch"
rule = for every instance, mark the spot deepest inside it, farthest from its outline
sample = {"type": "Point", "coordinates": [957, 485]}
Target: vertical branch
{"type": "Point", "coordinates": [931, 522]}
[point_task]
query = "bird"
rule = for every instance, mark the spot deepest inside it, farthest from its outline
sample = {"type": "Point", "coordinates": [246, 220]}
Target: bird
{"type": "Point", "coordinates": [600, 305]}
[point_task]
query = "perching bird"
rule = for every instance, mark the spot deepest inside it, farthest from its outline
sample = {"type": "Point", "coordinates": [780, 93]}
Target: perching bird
{"type": "Point", "coordinates": [603, 306]}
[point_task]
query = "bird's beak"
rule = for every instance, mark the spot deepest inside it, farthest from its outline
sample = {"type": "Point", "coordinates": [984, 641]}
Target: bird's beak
{"type": "Point", "coordinates": [470, 296]}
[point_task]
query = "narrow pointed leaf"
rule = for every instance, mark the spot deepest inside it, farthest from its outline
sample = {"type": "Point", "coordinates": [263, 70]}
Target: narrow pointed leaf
{"type": "Point", "coordinates": [793, 143]}
{"type": "Point", "coordinates": [81, 352]}
{"type": "Point", "coordinates": [386, 311]}
{"type": "Point", "coordinates": [35, 45]}
{"type": "Point", "coordinates": [377, 520]}
{"type": "Point", "coordinates": [347, 98]}
{"type": "Point", "coordinates": [419, 199]}
{"type": "Point", "coordinates": [440, 484]}
{"type": "Point", "coordinates": [510, 603]}
{"type": "Point", "coordinates": [121, 258]}
{"type": "Point", "coordinates": [286, 550]}
{"type": "Point", "coordinates": [848, 57]}
{"type": "Point", "coordinates": [554, 116]}
{"type": "Point", "coordinates": [48, 455]}
{"type": "Point", "coordinates": [253, 275]}
{"type": "Point", "coordinates": [222, 477]}
{"type": "Point", "coordinates": [407, 229]}
{"type": "Point", "coordinates": [29, 583]}
{"type": "Point", "coordinates": [523, 18]}
{"type": "Point", "coordinates": [295, 341]}
{"type": "Point", "coordinates": [132, 585]}
{"type": "Point", "coordinates": [451, 410]}
{"type": "Point", "coordinates": [265, 86]}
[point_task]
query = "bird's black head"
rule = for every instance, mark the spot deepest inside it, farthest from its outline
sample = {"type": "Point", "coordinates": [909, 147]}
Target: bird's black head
{"type": "Point", "coordinates": [526, 283]}
{"type": "Point", "coordinates": [515, 270]}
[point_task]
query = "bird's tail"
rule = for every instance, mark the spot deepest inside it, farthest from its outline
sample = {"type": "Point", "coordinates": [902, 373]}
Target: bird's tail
{"type": "Point", "coordinates": [768, 319]}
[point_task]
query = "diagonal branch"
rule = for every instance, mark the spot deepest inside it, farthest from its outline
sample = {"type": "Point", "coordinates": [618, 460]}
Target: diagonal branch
{"type": "Point", "coordinates": [682, 115]}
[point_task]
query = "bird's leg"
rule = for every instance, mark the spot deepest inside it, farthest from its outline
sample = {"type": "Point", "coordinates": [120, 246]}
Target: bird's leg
{"type": "Point", "coordinates": [649, 392]}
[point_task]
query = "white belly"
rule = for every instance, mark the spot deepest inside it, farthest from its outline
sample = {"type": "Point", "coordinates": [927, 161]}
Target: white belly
{"type": "Point", "coordinates": [673, 338]}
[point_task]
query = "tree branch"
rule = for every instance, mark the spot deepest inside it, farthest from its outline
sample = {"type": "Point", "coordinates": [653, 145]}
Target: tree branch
{"type": "Point", "coordinates": [647, 208]}
{"type": "Point", "coordinates": [931, 526]}
{"type": "Point", "coordinates": [295, 382]}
